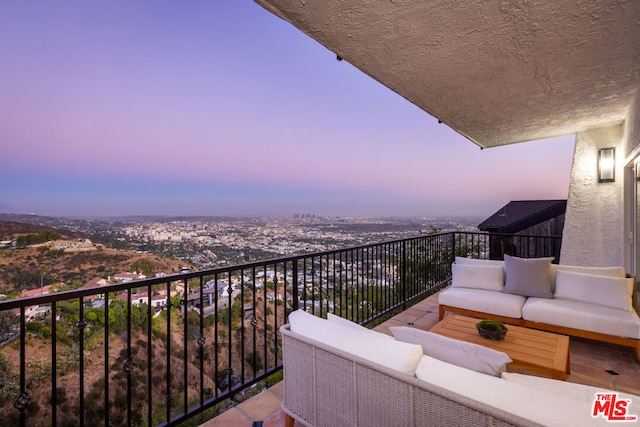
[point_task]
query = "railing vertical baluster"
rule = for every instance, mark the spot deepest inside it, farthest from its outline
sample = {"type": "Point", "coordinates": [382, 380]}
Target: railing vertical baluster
{"type": "Point", "coordinates": [54, 363]}
{"type": "Point", "coordinates": [185, 343]}
{"type": "Point", "coordinates": [344, 283]}
{"type": "Point", "coordinates": [304, 284]}
{"type": "Point", "coordinates": [334, 284]}
{"type": "Point", "coordinates": [81, 324]}
{"type": "Point", "coordinates": [167, 396]}
{"type": "Point", "coordinates": [358, 285]}
{"type": "Point", "coordinates": [201, 338]}
{"type": "Point", "coordinates": [216, 372]}
{"type": "Point", "coordinates": [453, 247]}
{"type": "Point", "coordinates": [403, 273]}
{"type": "Point", "coordinates": [327, 280]}
{"type": "Point", "coordinates": [23, 396]}
{"type": "Point", "coordinates": [354, 314]}
{"type": "Point", "coordinates": [391, 286]}
{"type": "Point", "coordinates": [230, 340]}
{"type": "Point", "coordinates": [264, 302]}
{"type": "Point", "coordinates": [254, 319]}
{"type": "Point", "coordinates": [275, 307]}
{"type": "Point", "coordinates": [285, 284]}
{"type": "Point", "coordinates": [312, 272]}
{"type": "Point", "coordinates": [242, 328]}
{"type": "Point", "coordinates": [129, 365]}
{"type": "Point", "coordinates": [294, 291]}
{"type": "Point", "coordinates": [149, 359]}
{"type": "Point", "coordinates": [106, 360]}
{"type": "Point", "coordinates": [320, 291]}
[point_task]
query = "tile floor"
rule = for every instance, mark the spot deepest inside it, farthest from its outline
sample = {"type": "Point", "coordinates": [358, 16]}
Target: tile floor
{"type": "Point", "coordinates": [590, 362]}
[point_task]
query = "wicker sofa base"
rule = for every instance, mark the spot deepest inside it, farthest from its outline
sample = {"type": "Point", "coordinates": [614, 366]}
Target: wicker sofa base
{"type": "Point", "coordinates": [325, 386]}
{"type": "Point", "coordinates": [611, 339]}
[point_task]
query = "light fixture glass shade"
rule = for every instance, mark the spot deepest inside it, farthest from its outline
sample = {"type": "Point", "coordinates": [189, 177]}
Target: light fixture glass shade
{"type": "Point", "coordinates": [607, 165]}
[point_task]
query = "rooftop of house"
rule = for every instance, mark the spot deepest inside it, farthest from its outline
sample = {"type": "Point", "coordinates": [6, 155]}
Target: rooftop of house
{"type": "Point", "coordinates": [519, 215]}
{"type": "Point", "coordinates": [496, 72]}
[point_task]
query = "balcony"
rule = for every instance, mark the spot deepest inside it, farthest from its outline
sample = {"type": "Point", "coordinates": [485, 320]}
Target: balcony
{"type": "Point", "coordinates": [138, 359]}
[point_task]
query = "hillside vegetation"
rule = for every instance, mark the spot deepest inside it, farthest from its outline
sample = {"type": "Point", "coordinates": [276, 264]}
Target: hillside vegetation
{"type": "Point", "coordinates": [24, 268]}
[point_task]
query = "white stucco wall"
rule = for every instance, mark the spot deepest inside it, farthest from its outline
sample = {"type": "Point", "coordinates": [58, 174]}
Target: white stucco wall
{"type": "Point", "coordinates": [631, 144]}
{"type": "Point", "coordinates": [632, 126]}
{"type": "Point", "coordinates": [594, 226]}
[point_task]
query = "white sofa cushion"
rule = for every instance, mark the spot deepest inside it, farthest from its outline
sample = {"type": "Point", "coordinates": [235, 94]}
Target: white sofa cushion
{"type": "Point", "coordinates": [614, 292]}
{"type": "Point", "coordinates": [474, 261]}
{"type": "Point", "coordinates": [397, 355]}
{"type": "Point", "coordinates": [582, 315]}
{"type": "Point", "coordinates": [527, 402]}
{"type": "Point", "coordinates": [529, 277]}
{"type": "Point", "coordinates": [599, 271]}
{"type": "Point", "coordinates": [460, 353]}
{"type": "Point", "coordinates": [491, 302]}
{"type": "Point", "coordinates": [354, 326]}
{"type": "Point", "coordinates": [564, 388]}
{"type": "Point", "coordinates": [489, 277]}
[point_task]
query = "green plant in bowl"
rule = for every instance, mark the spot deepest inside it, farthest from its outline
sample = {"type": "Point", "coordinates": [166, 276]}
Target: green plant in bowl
{"type": "Point", "coordinates": [491, 329]}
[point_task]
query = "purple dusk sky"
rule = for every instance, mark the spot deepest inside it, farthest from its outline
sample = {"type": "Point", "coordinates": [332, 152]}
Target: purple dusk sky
{"type": "Point", "coordinates": [220, 108]}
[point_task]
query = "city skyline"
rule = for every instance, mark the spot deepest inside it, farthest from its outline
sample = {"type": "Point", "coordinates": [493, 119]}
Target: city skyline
{"type": "Point", "coordinates": [222, 109]}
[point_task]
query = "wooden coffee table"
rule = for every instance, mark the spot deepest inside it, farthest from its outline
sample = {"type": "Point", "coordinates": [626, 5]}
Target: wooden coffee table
{"type": "Point", "coordinates": [538, 351]}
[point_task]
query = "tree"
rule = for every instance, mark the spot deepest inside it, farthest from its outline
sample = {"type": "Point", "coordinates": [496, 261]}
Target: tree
{"type": "Point", "coordinates": [7, 320]}
{"type": "Point", "coordinates": [43, 269]}
{"type": "Point", "coordinates": [145, 267]}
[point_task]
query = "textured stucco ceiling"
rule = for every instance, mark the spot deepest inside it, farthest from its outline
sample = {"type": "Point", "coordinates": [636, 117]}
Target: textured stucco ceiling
{"type": "Point", "coordinates": [496, 71]}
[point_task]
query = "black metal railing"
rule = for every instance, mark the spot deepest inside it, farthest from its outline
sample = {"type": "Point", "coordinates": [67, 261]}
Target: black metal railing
{"type": "Point", "coordinates": [161, 351]}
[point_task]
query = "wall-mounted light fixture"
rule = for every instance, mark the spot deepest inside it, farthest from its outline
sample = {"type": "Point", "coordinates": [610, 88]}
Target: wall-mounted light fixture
{"type": "Point", "coordinates": [607, 165]}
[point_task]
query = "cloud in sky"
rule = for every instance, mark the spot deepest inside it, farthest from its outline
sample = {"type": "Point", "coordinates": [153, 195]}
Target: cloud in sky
{"type": "Point", "coordinates": [220, 108]}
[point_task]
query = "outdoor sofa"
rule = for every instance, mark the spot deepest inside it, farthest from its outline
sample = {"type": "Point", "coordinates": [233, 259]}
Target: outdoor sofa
{"type": "Point", "coordinates": [598, 303]}
{"type": "Point", "coordinates": [337, 373]}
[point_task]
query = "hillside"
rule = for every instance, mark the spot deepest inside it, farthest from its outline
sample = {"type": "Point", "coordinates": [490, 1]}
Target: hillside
{"type": "Point", "coordinates": [10, 230]}
{"type": "Point", "coordinates": [20, 269]}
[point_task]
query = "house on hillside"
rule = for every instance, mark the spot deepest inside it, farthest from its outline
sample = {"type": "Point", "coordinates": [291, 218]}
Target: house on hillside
{"type": "Point", "coordinates": [38, 291]}
{"type": "Point", "coordinates": [79, 245]}
{"type": "Point", "coordinates": [35, 312]}
{"type": "Point", "coordinates": [94, 283]}
{"type": "Point", "coordinates": [157, 301]}
{"type": "Point", "coordinates": [127, 277]}
{"type": "Point", "coordinates": [525, 217]}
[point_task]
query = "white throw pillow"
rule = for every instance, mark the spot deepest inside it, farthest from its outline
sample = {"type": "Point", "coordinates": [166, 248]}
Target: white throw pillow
{"type": "Point", "coordinates": [613, 292]}
{"type": "Point", "coordinates": [349, 324]}
{"type": "Point", "coordinates": [400, 356]}
{"type": "Point", "coordinates": [488, 277]}
{"type": "Point", "coordinates": [460, 353]}
{"type": "Point", "coordinates": [474, 261]}
{"type": "Point", "coordinates": [599, 271]}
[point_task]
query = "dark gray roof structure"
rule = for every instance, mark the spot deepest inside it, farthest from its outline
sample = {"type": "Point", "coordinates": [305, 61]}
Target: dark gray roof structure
{"type": "Point", "coordinates": [519, 215]}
